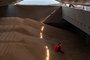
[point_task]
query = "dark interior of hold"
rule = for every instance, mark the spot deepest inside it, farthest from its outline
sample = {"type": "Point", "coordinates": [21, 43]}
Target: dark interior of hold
{"type": "Point", "coordinates": [39, 13]}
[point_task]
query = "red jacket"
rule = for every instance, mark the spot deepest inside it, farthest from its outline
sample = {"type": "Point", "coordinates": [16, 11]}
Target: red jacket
{"type": "Point", "coordinates": [56, 48]}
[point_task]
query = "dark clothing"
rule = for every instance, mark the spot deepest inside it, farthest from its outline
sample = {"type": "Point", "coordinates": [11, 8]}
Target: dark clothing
{"type": "Point", "coordinates": [59, 49]}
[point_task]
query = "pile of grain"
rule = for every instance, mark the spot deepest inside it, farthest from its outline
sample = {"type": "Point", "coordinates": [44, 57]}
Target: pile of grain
{"type": "Point", "coordinates": [19, 39]}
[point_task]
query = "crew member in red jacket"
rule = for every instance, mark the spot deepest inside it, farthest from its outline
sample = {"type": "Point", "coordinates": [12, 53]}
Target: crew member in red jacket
{"type": "Point", "coordinates": [58, 48]}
